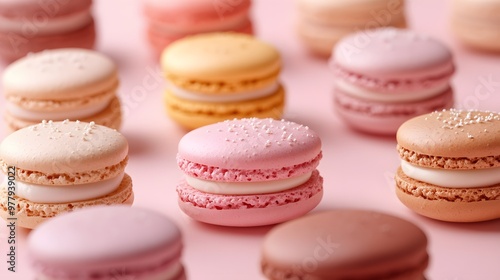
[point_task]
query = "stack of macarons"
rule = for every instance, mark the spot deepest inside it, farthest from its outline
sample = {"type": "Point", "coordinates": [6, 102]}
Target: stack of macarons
{"type": "Point", "coordinates": [249, 172]}
{"type": "Point", "coordinates": [450, 165]}
{"type": "Point", "coordinates": [322, 23]}
{"type": "Point", "coordinates": [58, 167]}
{"type": "Point", "coordinates": [32, 26]}
{"type": "Point", "coordinates": [172, 20]}
{"type": "Point", "coordinates": [389, 77]}
{"type": "Point", "coordinates": [75, 84]}
{"type": "Point", "coordinates": [214, 77]}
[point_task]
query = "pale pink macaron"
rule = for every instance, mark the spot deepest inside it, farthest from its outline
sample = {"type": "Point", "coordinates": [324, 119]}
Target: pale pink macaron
{"type": "Point", "coordinates": [384, 77]}
{"type": "Point", "coordinates": [249, 172]}
{"type": "Point", "coordinates": [32, 26]}
{"type": "Point", "coordinates": [107, 243]}
{"type": "Point", "coordinates": [171, 20]}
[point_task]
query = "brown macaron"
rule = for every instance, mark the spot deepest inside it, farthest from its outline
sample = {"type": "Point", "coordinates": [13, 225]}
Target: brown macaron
{"type": "Point", "coordinates": [450, 165]}
{"type": "Point", "coordinates": [345, 244]}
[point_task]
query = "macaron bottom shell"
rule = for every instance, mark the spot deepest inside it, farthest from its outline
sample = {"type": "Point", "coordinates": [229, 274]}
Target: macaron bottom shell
{"type": "Point", "coordinates": [110, 117]}
{"type": "Point", "coordinates": [473, 205]}
{"type": "Point", "coordinates": [13, 46]}
{"type": "Point", "coordinates": [482, 36]}
{"type": "Point", "coordinates": [225, 210]}
{"type": "Point", "coordinates": [192, 114]}
{"type": "Point", "coordinates": [31, 214]}
{"type": "Point", "coordinates": [385, 118]}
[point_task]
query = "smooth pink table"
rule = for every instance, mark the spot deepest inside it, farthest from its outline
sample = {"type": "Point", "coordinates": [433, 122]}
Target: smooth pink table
{"type": "Point", "coordinates": [357, 168]}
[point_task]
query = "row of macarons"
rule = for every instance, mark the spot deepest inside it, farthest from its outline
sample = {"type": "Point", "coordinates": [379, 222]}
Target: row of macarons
{"type": "Point", "coordinates": [381, 79]}
{"type": "Point", "coordinates": [243, 172]}
{"type": "Point", "coordinates": [32, 25]}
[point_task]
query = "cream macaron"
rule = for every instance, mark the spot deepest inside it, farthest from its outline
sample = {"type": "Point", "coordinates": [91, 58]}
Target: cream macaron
{"type": "Point", "coordinates": [75, 84]}
{"type": "Point", "coordinates": [55, 167]}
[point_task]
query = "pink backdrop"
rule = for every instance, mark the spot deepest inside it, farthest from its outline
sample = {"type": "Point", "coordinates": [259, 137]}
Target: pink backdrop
{"type": "Point", "coordinates": [357, 168]}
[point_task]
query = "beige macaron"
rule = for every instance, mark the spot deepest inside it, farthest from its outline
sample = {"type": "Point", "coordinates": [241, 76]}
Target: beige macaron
{"type": "Point", "coordinates": [450, 165]}
{"type": "Point", "coordinates": [55, 167]}
{"type": "Point", "coordinates": [74, 84]}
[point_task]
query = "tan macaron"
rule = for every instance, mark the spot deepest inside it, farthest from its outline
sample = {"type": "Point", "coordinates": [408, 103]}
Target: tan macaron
{"type": "Point", "coordinates": [75, 84]}
{"type": "Point", "coordinates": [56, 167]}
{"type": "Point", "coordinates": [450, 165]}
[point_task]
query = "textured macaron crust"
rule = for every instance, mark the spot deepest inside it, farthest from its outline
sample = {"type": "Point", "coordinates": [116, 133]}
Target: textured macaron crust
{"type": "Point", "coordinates": [75, 84]}
{"type": "Point", "coordinates": [476, 23]}
{"type": "Point", "coordinates": [322, 23]}
{"type": "Point", "coordinates": [450, 167]}
{"type": "Point", "coordinates": [345, 244]}
{"type": "Point", "coordinates": [388, 76]}
{"type": "Point", "coordinates": [217, 76]}
{"type": "Point", "coordinates": [61, 166]}
{"type": "Point", "coordinates": [32, 26]}
{"type": "Point", "coordinates": [105, 243]}
{"type": "Point", "coordinates": [169, 21]}
{"type": "Point", "coordinates": [245, 172]}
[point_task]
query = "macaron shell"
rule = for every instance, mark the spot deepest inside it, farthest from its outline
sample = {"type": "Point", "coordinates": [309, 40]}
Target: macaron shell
{"type": "Point", "coordinates": [267, 209]}
{"type": "Point", "coordinates": [393, 54]}
{"type": "Point", "coordinates": [452, 134]}
{"type": "Point", "coordinates": [82, 38]}
{"type": "Point", "coordinates": [345, 244]}
{"type": "Point", "coordinates": [448, 204]}
{"type": "Point", "coordinates": [110, 117]}
{"type": "Point", "coordinates": [478, 35]}
{"type": "Point", "coordinates": [29, 8]}
{"type": "Point", "coordinates": [192, 114]}
{"type": "Point", "coordinates": [64, 147]}
{"type": "Point", "coordinates": [385, 118]}
{"type": "Point", "coordinates": [60, 74]}
{"type": "Point", "coordinates": [31, 214]}
{"type": "Point", "coordinates": [216, 57]}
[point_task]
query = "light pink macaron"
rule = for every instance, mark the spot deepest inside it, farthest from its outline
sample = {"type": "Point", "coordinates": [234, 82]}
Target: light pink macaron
{"type": "Point", "coordinates": [33, 25]}
{"type": "Point", "coordinates": [172, 20]}
{"type": "Point", "coordinates": [387, 76]}
{"type": "Point", "coordinates": [249, 172]}
{"type": "Point", "coordinates": [107, 243]}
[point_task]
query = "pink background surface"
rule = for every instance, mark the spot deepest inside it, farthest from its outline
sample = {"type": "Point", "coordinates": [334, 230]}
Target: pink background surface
{"type": "Point", "coordinates": [357, 168]}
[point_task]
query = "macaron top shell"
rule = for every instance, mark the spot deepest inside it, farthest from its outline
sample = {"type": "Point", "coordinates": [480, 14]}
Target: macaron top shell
{"type": "Point", "coordinates": [393, 54]}
{"type": "Point", "coordinates": [60, 74]}
{"type": "Point", "coordinates": [219, 57]}
{"type": "Point", "coordinates": [345, 244]}
{"type": "Point", "coordinates": [100, 238]}
{"type": "Point", "coordinates": [63, 147]}
{"type": "Point", "coordinates": [250, 144]}
{"type": "Point", "coordinates": [452, 133]}
{"type": "Point", "coordinates": [31, 8]}
{"type": "Point", "coordinates": [192, 11]}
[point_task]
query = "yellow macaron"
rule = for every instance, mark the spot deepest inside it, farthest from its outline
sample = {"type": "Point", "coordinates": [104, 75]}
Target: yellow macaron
{"type": "Point", "coordinates": [218, 76]}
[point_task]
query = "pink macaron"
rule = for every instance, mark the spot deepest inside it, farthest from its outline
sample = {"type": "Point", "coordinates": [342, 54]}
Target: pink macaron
{"type": "Point", "coordinates": [107, 243]}
{"type": "Point", "coordinates": [171, 20]}
{"type": "Point", "coordinates": [387, 76]}
{"type": "Point", "coordinates": [249, 172]}
{"type": "Point", "coordinates": [33, 25]}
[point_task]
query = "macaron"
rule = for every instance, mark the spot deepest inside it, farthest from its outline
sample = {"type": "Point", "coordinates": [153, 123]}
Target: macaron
{"type": "Point", "coordinates": [75, 84]}
{"type": "Point", "coordinates": [389, 76]}
{"type": "Point", "coordinates": [345, 244]}
{"type": "Point", "coordinates": [57, 167]}
{"type": "Point", "coordinates": [106, 243]}
{"type": "Point", "coordinates": [322, 23]}
{"type": "Point", "coordinates": [219, 76]}
{"type": "Point", "coordinates": [450, 165]}
{"type": "Point", "coordinates": [477, 23]}
{"type": "Point", "coordinates": [249, 172]}
{"type": "Point", "coordinates": [168, 21]}
{"type": "Point", "coordinates": [32, 26]}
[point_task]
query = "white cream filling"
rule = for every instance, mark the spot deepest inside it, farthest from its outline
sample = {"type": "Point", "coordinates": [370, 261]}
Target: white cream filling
{"type": "Point", "coordinates": [74, 113]}
{"type": "Point", "coordinates": [66, 193]}
{"type": "Point", "coordinates": [43, 24]}
{"type": "Point", "coordinates": [242, 188]}
{"type": "Point", "coordinates": [452, 178]}
{"type": "Point", "coordinates": [229, 97]}
{"type": "Point", "coordinates": [360, 92]}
